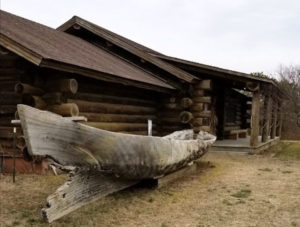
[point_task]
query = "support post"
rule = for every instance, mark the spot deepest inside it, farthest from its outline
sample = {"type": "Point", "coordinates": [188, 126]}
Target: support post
{"type": "Point", "coordinates": [255, 118]}
{"type": "Point", "coordinates": [280, 116]}
{"type": "Point", "coordinates": [267, 116]}
{"type": "Point", "coordinates": [274, 120]}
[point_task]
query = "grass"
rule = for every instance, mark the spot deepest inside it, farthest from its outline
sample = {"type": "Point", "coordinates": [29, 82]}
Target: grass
{"type": "Point", "coordinates": [243, 193]}
{"type": "Point", "coordinates": [287, 150]}
{"type": "Point", "coordinates": [229, 193]}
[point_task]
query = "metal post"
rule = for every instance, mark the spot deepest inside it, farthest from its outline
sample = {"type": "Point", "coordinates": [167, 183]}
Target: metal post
{"type": "Point", "coordinates": [149, 127]}
{"type": "Point", "coordinates": [14, 154]}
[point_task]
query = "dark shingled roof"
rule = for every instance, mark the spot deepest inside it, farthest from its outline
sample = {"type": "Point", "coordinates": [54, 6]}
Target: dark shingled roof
{"type": "Point", "coordinates": [41, 44]}
{"type": "Point", "coordinates": [159, 59]}
{"type": "Point", "coordinates": [130, 46]}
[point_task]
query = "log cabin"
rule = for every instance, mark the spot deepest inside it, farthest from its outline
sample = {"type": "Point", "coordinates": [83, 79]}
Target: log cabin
{"type": "Point", "coordinates": [82, 69]}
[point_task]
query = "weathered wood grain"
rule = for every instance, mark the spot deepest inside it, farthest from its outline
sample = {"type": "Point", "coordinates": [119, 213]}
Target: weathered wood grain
{"type": "Point", "coordinates": [83, 187]}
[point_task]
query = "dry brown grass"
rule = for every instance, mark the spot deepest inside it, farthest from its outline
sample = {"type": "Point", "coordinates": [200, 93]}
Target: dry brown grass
{"type": "Point", "coordinates": [234, 193]}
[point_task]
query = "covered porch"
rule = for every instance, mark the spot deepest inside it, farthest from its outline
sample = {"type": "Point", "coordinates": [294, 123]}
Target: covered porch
{"type": "Point", "coordinates": [243, 145]}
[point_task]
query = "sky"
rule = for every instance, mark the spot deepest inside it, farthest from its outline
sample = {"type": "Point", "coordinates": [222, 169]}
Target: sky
{"type": "Point", "coordinates": [242, 35]}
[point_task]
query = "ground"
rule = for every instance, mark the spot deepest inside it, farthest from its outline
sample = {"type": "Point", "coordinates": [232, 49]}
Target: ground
{"type": "Point", "coordinates": [241, 190]}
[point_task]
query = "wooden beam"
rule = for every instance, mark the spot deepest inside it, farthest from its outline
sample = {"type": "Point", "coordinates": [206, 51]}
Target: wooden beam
{"type": "Point", "coordinates": [280, 120]}
{"type": "Point", "coordinates": [255, 118]}
{"type": "Point", "coordinates": [267, 116]}
{"type": "Point", "coordinates": [274, 119]}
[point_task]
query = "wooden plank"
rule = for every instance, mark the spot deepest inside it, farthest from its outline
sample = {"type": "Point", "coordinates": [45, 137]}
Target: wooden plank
{"type": "Point", "coordinates": [267, 116]}
{"type": "Point", "coordinates": [82, 188]}
{"type": "Point", "coordinates": [274, 120]}
{"type": "Point", "coordinates": [92, 97]}
{"type": "Point", "coordinates": [255, 118]}
{"type": "Point", "coordinates": [95, 107]}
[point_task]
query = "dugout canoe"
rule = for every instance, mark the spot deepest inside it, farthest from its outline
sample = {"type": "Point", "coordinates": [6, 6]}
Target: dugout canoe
{"type": "Point", "coordinates": [127, 156]}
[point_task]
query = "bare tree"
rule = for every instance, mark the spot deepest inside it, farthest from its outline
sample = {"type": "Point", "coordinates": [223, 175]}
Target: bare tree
{"type": "Point", "coordinates": [289, 83]}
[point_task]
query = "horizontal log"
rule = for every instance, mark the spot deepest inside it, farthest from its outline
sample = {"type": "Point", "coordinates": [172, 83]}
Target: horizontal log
{"type": "Point", "coordinates": [201, 128]}
{"type": "Point", "coordinates": [196, 122]}
{"type": "Point", "coordinates": [203, 84]}
{"type": "Point", "coordinates": [171, 106]}
{"type": "Point", "coordinates": [228, 128]}
{"type": "Point", "coordinates": [102, 117]}
{"type": "Point", "coordinates": [22, 88]}
{"type": "Point", "coordinates": [186, 103]}
{"type": "Point", "coordinates": [7, 98]}
{"type": "Point", "coordinates": [169, 100]}
{"type": "Point", "coordinates": [171, 128]}
{"type": "Point", "coordinates": [198, 93]}
{"type": "Point", "coordinates": [86, 106]}
{"type": "Point", "coordinates": [66, 109]}
{"type": "Point", "coordinates": [6, 120]}
{"type": "Point", "coordinates": [204, 114]}
{"type": "Point", "coordinates": [54, 98]}
{"type": "Point", "coordinates": [8, 109]}
{"type": "Point", "coordinates": [7, 132]}
{"type": "Point", "coordinates": [173, 120]}
{"type": "Point", "coordinates": [62, 85]}
{"type": "Point", "coordinates": [185, 117]}
{"type": "Point", "coordinates": [204, 99]}
{"type": "Point", "coordinates": [7, 86]}
{"type": "Point", "coordinates": [113, 99]}
{"type": "Point", "coordinates": [117, 127]}
{"type": "Point", "coordinates": [118, 90]}
{"type": "Point", "coordinates": [35, 101]}
{"type": "Point", "coordinates": [197, 107]}
{"type": "Point", "coordinates": [6, 143]}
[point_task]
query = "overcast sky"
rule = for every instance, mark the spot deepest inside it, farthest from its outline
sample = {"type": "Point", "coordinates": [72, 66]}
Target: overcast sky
{"type": "Point", "coordinates": [242, 35]}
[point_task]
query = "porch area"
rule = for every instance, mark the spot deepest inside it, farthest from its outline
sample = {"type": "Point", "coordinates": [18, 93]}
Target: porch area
{"type": "Point", "coordinates": [243, 145]}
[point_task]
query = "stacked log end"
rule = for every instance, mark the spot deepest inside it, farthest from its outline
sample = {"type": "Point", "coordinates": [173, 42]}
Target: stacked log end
{"type": "Point", "coordinates": [200, 109]}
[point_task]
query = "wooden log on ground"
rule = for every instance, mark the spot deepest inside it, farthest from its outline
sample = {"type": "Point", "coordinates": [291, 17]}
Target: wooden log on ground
{"type": "Point", "coordinates": [21, 88]}
{"type": "Point", "coordinates": [186, 103]}
{"type": "Point", "coordinates": [81, 188]}
{"type": "Point", "coordinates": [185, 117]}
{"type": "Point", "coordinates": [62, 85]}
{"type": "Point", "coordinates": [117, 127]}
{"type": "Point", "coordinates": [103, 117]}
{"type": "Point", "coordinates": [66, 109]}
{"type": "Point", "coordinates": [86, 106]}
{"type": "Point", "coordinates": [114, 99]}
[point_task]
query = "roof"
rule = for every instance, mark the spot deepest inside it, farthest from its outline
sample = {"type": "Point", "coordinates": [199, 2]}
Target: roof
{"type": "Point", "coordinates": [225, 72]}
{"type": "Point", "coordinates": [130, 46]}
{"type": "Point", "coordinates": [159, 59]}
{"type": "Point", "coordinates": [48, 47]}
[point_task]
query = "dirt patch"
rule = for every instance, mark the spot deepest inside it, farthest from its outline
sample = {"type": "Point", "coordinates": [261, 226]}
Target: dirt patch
{"type": "Point", "coordinates": [242, 190]}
